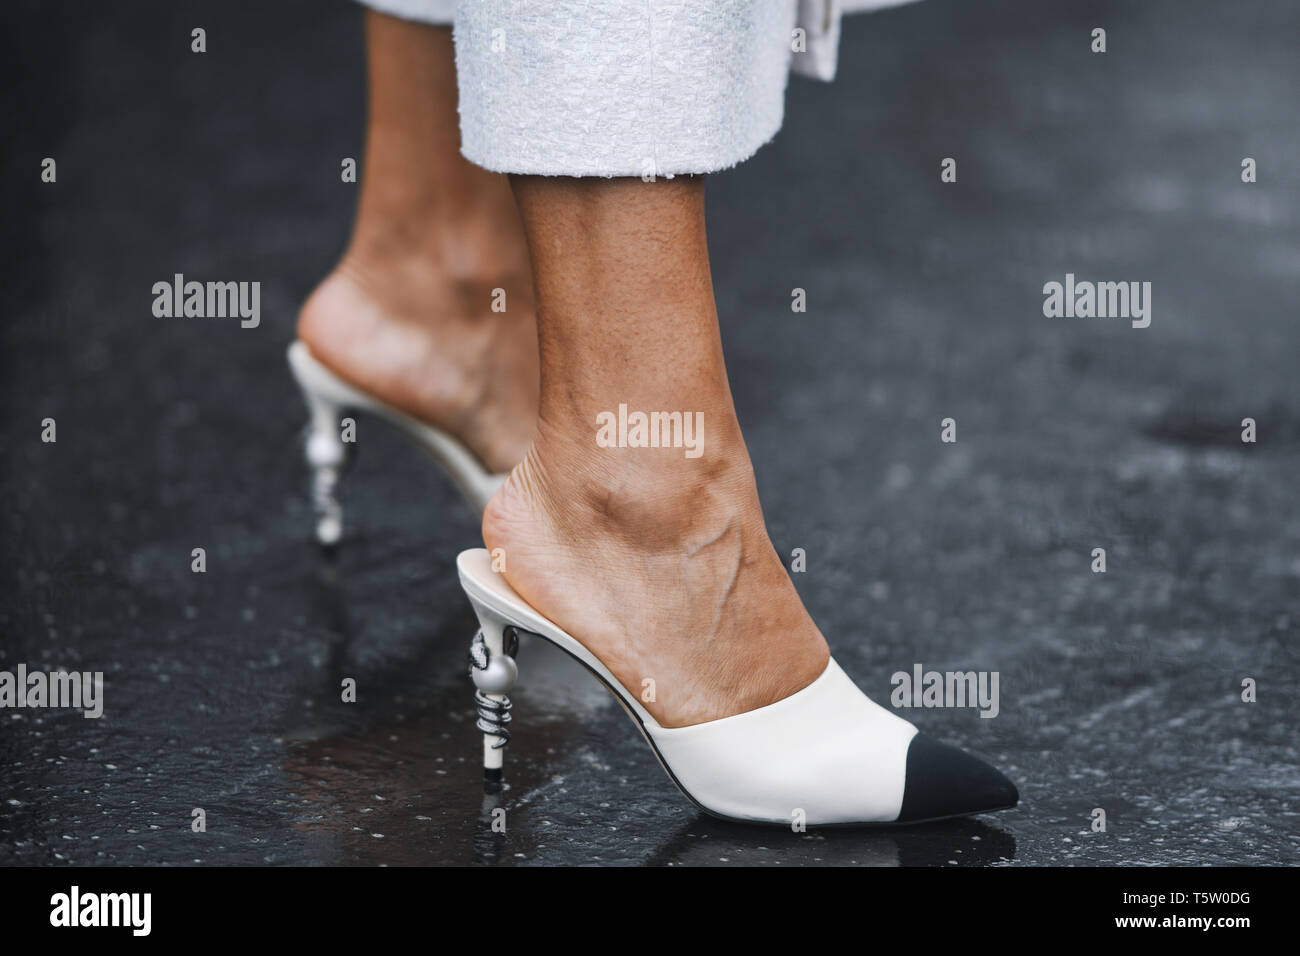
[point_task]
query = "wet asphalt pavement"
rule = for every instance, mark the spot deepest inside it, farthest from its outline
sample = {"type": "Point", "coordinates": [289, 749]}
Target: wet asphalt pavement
{"type": "Point", "coordinates": [1119, 691]}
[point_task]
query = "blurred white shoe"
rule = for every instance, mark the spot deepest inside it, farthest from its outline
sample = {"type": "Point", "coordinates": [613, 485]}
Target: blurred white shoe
{"type": "Point", "coordinates": [328, 397]}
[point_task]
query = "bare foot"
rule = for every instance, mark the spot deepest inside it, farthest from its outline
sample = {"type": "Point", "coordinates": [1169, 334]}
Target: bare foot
{"type": "Point", "coordinates": [662, 568]}
{"type": "Point", "coordinates": [407, 316]}
{"type": "Point", "coordinates": [402, 328]}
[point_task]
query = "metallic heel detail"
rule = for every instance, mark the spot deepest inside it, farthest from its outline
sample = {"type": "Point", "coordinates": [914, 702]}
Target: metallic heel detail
{"type": "Point", "coordinates": [325, 502]}
{"type": "Point", "coordinates": [326, 455]}
{"type": "Point", "coordinates": [493, 669]}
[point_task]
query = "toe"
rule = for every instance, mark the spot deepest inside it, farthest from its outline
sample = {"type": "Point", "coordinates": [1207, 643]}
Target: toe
{"type": "Point", "coordinates": [943, 781]}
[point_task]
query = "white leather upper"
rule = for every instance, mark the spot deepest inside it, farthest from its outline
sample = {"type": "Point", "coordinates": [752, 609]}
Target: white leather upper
{"type": "Point", "coordinates": [828, 750]}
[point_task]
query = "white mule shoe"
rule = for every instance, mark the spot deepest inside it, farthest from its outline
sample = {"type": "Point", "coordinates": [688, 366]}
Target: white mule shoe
{"type": "Point", "coordinates": [825, 755]}
{"type": "Point", "coordinates": [328, 396]}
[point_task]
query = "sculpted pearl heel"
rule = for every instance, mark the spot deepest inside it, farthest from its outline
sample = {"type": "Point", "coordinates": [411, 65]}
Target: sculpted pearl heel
{"type": "Point", "coordinates": [825, 755]}
{"type": "Point", "coordinates": [328, 397]}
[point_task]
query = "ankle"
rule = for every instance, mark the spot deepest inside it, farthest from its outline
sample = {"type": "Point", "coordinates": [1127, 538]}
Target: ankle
{"type": "Point", "coordinates": [476, 249]}
{"type": "Point", "coordinates": [468, 232]}
{"type": "Point", "coordinates": [407, 277]}
{"type": "Point", "coordinates": [653, 497]}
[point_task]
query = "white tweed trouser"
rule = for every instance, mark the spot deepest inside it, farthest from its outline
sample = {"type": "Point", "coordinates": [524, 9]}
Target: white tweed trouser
{"type": "Point", "coordinates": [627, 87]}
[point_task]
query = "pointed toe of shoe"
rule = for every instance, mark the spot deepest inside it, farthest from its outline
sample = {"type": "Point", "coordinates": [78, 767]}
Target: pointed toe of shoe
{"type": "Point", "coordinates": [943, 781]}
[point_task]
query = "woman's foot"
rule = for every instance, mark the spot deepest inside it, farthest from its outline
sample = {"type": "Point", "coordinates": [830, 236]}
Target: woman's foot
{"type": "Point", "coordinates": [660, 566]}
{"type": "Point", "coordinates": [408, 316]}
{"type": "Point", "coordinates": [655, 558]}
{"type": "Point", "coordinates": [429, 344]}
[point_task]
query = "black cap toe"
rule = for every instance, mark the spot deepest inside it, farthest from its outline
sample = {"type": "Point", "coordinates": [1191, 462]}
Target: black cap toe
{"type": "Point", "coordinates": [943, 781]}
